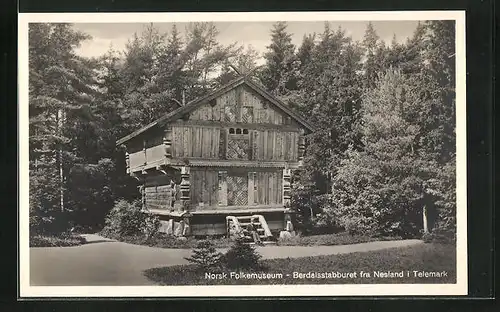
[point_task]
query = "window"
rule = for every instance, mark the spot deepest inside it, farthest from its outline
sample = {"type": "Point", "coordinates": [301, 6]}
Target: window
{"type": "Point", "coordinates": [238, 144]}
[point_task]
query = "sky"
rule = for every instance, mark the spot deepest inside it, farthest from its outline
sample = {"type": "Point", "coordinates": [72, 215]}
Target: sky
{"type": "Point", "coordinates": [256, 34]}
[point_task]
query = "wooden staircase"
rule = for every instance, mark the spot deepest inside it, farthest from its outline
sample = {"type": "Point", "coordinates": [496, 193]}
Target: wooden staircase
{"type": "Point", "coordinates": [237, 225]}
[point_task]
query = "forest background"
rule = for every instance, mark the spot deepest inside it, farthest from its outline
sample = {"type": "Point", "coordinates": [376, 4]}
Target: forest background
{"type": "Point", "coordinates": [382, 154]}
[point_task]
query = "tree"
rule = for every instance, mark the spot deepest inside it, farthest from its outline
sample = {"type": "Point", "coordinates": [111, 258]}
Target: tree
{"type": "Point", "coordinates": [206, 256]}
{"type": "Point", "coordinates": [61, 85]}
{"type": "Point", "coordinates": [379, 190]}
{"type": "Point", "coordinates": [160, 75]}
{"type": "Point", "coordinates": [279, 74]}
{"type": "Point", "coordinates": [330, 93]}
{"type": "Point", "coordinates": [245, 62]}
{"type": "Point", "coordinates": [437, 85]}
{"type": "Point", "coordinates": [305, 51]}
{"type": "Point", "coordinates": [374, 54]}
{"type": "Point", "coordinates": [406, 163]}
{"type": "Point", "coordinates": [143, 99]}
{"type": "Point", "coordinates": [242, 256]}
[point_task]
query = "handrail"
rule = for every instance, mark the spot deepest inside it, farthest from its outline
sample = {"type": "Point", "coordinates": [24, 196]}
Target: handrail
{"type": "Point", "coordinates": [263, 223]}
{"type": "Point", "coordinates": [236, 223]}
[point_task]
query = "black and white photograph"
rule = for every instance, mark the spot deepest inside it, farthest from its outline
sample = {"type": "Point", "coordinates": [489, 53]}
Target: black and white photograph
{"type": "Point", "coordinates": [256, 154]}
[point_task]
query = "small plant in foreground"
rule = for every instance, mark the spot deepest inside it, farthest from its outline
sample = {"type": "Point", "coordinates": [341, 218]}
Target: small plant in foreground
{"type": "Point", "coordinates": [205, 256]}
{"type": "Point", "coordinates": [242, 256]}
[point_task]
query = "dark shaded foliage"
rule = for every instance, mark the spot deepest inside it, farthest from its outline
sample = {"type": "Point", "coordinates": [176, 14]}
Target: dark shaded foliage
{"type": "Point", "coordinates": [242, 256]}
{"type": "Point", "coordinates": [206, 257]}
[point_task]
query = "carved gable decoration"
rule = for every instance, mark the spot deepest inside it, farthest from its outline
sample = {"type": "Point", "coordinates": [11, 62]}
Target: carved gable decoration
{"type": "Point", "coordinates": [240, 101]}
{"type": "Point", "coordinates": [241, 105]}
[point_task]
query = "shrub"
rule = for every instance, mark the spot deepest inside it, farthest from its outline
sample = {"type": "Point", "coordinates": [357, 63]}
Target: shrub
{"type": "Point", "coordinates": [439, 237]}
{"type": "Point", "coordinates": [45, 217]}
{"type": "Point", "coordinates": [205, 256]}
{"type": "Point", "coordinates": [151, 226]}
{"type": "Point", "coordinates": [242, 256]}
{"type": "Point", "coordinates": [125, 219]}
{"type": "Point", "coordinates": [60, 240]}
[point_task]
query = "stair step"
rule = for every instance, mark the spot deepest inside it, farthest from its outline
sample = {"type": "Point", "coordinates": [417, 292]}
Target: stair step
{"type": "Point", "coordinates": [248, 223]}
{"type": "Point", "coordinates": [264, 242]}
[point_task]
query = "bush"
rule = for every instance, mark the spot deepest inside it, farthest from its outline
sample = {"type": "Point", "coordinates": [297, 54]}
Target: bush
{"type": "Point", "coordinates": [343, 238]}
{"type": "Point", "coordinates": [151, 226]}
{"type": "Point", "coordinates": [61, 240]}
{"type": "Point", "coordinates": [242, 256]}
{"type": "Point", "coordinates": [127, 219]}
{"type": "Point", "coordinates": [440, 238]}
{"type": "Point", "coordinates": [46, 217]}
{"type": "Point", "coordinates": [205, 256]}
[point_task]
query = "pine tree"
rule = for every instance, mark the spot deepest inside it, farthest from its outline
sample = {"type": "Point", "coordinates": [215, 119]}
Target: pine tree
{"type": "Point", "coordinates": [378, 190]}
{"type": "Point", "coordinates": [305, 51]}
{"type": "Point", "coordinates": [374, 55]}
{"type": "Point", "coordinates": [61, 86]}
{"type": "Point", "coordinates": [170, 76]}
{"type": "Point", "coordinates": [242, 256]}
{"type": "Point", "coordinates": [330, 93]}
{"type": "Point", "coordinates": [206, 256]}
{"type": "Point", "coordinates": [407, 163]}
{"type": "Point", "coordinates": [244, 61]}
{"type": "Point", "coordinates": [279, 74]}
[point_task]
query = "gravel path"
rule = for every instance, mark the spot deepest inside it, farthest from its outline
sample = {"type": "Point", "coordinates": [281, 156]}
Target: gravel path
{"type": "Point", "coordinates": [104, 262]}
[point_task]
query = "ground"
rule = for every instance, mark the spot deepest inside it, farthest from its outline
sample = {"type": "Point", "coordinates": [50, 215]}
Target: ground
{"type": "Point", "coordinates": [414, 264]}
{"type": "Point", "coordinates": [103, 262]}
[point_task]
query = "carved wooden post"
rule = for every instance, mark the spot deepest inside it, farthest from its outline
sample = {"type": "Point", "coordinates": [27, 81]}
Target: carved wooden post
{"type": "Point", "coordinates": [185, 187]}
{"type": "Point", "coordinates": [127, 161]}
{"type": "Point", "coordinates": [187, 227]}
{"type": "Point", "coordinates": [170, 227]}
{"type": "Point", "coordinates": [179, 229]}
{"type": "Point", "coordinates": [142, 190]}
{"type": "Point", "coordinates": [167, 143]}
{"type": "Point", "coordinates": [286, 187]}
{"type": "Point", "coordinates": [302, 148]}
{"type": "Point", "coordinates": [144, 149]}
{"type": "Point", "coordinates": [288, 218]}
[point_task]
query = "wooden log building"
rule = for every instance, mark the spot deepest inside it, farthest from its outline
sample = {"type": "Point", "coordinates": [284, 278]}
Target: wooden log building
{"type": "Point", "coordinates": [229, 153]}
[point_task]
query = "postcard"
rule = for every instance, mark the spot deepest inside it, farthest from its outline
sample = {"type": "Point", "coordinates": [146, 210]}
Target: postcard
{"type": "Point", "coordinates": [258, 154]}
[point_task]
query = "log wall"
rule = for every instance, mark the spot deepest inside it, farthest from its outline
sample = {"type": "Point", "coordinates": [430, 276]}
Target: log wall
{"type": "Point", "coordinates": [213, 142]}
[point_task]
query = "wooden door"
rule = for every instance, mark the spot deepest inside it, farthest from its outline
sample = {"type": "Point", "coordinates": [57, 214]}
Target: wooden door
{"type": "Point", "coordinates": [237, 190]}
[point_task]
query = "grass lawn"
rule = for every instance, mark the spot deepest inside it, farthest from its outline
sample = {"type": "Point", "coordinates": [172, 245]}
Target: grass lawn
{"type": "Point", "coordinates": [62, 240]}
{"type": "Point", "coordinates": [342, 238]}
{"type": "Point", "coordinates": [164, 241]}
{"type": "Point", "coordinates": [424, 257]}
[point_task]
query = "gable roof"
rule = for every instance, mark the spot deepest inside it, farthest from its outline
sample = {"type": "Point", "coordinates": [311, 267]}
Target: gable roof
{"type": "Point", "coordinates": [179, 112]}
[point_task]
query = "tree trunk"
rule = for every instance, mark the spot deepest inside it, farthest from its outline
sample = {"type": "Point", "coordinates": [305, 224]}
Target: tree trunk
{"type": "Point", "coordinates": [59, 120]}
{"type": "Point", "coordinates": [424, 217]}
